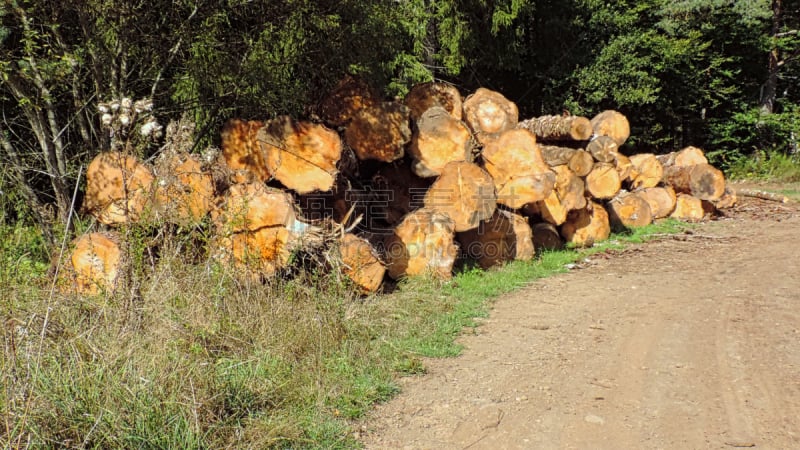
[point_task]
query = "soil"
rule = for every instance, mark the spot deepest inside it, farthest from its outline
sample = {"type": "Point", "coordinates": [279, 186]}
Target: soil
{"type": "Point", "coordinates": [688, 341]}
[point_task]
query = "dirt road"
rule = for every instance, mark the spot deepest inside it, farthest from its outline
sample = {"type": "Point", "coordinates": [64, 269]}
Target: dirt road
{"type": "Point", "coordinates": [683, 343]}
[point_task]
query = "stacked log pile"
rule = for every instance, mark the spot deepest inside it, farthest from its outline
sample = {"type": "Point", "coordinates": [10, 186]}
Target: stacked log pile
{"type": "Point", "coordinates": [403, 188]}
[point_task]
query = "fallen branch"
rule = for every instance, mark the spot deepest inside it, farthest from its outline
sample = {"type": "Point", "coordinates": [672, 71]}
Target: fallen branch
{"type": "Point", "coordinates": [763, 195]}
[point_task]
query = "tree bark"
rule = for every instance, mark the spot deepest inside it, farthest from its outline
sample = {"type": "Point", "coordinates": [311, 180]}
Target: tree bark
{"type": "Point", "coordinates": [579, 161]}
{"type": "Point", "coordinates": [703, 181]}
{"type": "Point", "coordinates": [558, 128]}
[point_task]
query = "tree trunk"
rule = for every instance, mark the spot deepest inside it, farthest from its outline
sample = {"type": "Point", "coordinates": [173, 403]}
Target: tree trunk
{"type": "Point", "coordinates": [424, 96]}
{"type": "Point", "coordinates": [603, 149]}
{"type": "Point", "coordinates": [240, 148]}
{"type": "Point", "coordinates": [629, 210]}
{"type": "Point", "coordinates": [184, 191]}
{"type": "Point", "coordinates": [515, 163]}
{"type": "Point", "coordinates": [770, 89]}
{"type": "Point", "coordinates": [437, 140]}
{"type": "Point", "coordinates": [603, 181]}
{"type": "Point", "coordinates": [661, 200]}
{"type": "Point", "coordinates": [464, 192]}
{"type": "Point", "coordinates": [703, 181]}
{"type": "Point", "coordinates": [351, 95]}
{"type": "Point", "coordinates": [568, 194]}
{"type": "Point", "coordinates": [119, 189]}
{"type": "Point", "coordinates": [688, 208]}
{"type": "Point", "coordinates": [361, 263]}
{"type": "Point", "coordinates": [95, 265]}
{"type": "Point", "coordinates": [558, 128]}
{"type": "Point", "coordinates": [546, 237]}
{"type": "Point", "coordinates": [301, 155]}
{"type": "Point", "coordinates": [624, 167]}
{"type": "Point", "coordinates": [396, 192]}
{"type": "Point", "coordinates": [587, 226]}
{"type": "Point", "coordinates": [689, 156]}
{"type": "Point", "coordinates": [503, 237]}
{"type": "Point", "coordinates": [379, 132]}
{"type": "Point", "coordinates": [254, 229]}
{"type": "Point", "coordinates": [422, 244]}
{"type": "Point", "coordinates": [579, 161]}
{"type": "Point", "coordinates": [647, 171]}
{"type": "Point", "coordinates": [612, 124]}
{"type": "Point", "coordinates": [489, 113]}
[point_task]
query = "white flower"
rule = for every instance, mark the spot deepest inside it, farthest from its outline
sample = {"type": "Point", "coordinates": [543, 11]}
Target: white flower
{"type": "Point", "coordinates": [148, 128]}
{"type": "Point", "coordinates": [124, 119]}
{"type": "Point", "coordinates": [114, 106]}
{"type": "Point", "coordinates": [127, 102]}
{"type": "Point", "coordinates": [103, 107]}
{"type": "Point", "coordinates": [106, 119]}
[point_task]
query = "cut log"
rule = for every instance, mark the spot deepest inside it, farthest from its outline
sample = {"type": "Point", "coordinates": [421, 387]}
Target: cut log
{"type": "Point", "coordinates": [688, 208]}
{"type": "Point", "coordinates": [612, 124]}
{"type": "Point", "coordinates": [647, 171]}
{"type": "Point", "coordinates": [661, 200]}
{"type": "Point", "coordinates": [603, 181]}
{"type": "Point", "coordinates": [399, 191]}
{"type": "Point", "coordinates": [629, 210]}
{"type": "Point", "coordinates": [551, 209]}
{"type": "Point", "coordinates": [361, 263]}
{"type": "Point", "coordinates": [567, 195]}
{"type": "Point", "coordinates": [240, 149]}
{"type": "Point", "coordinates": [423, 243]}
{"type": "Point", "coordinates": [256, 228]}
{"type": "Point", "coordinates": [379, 132]}
{"type": "Point", "coordinates": [95, 265]}
{"type": "Point", "coordinates": [489, 113]}
{"type": "Point", "coordinates": [587, 226]}
{"type": "Point", "coordinates": [437, 140]}
{"type": "Point", "coordinates": [184, 191]}
{"type": "Point", "coordinates": [515, 163]}
{"type": "Point", "coordinates": [689, 156]}
{"type": "Point", "coordinates": [703, 181]}
{"type": "Point", "coordinates": [546, 237]}
{"type": "Point", "coordinates": [301, 155]}
{"type": "Point", "coordinates": [351, 95]}
{"type": "Point", "coordinates": [254, 254]}
{"type": "Point", "coordinates": [464, 192]}
{"type": "Point", "coordinates": [603, 149]}
{"type": "Point", "coordinates": [579, 161]}
{"type": "Point", "coordinates": [503, 237]}
{"type": "Point", "coordinates": [558, 128]}
{"type": "Point", "coordinates": [252, 206]}
{"type": "Point", "coordinates": [424, 96]}
{"type": "Point", "coordinates": [119, 188]}
{"type": "Point", "coordinates": [729, 199]}
{"type": "Point", "coordinates": [570, 188]}
{"type": "Point", "coordinates": [624, 167]}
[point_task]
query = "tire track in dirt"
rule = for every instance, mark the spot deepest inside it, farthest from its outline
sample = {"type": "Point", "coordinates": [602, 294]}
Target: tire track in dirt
{"type": "Point", "coordinates": [670, 344]}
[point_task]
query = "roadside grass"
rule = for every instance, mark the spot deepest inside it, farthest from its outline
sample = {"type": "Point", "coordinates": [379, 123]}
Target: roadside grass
{"type": "Point", "coordinates": [191, 357]}
{"type": "Point", "coordinates": [770, 166]}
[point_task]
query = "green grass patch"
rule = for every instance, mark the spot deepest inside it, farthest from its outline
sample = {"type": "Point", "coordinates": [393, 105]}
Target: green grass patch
{"type": "Point", "coordinates": [771, 166]}
{"type": "Point", "coordinates": [198, 359]}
